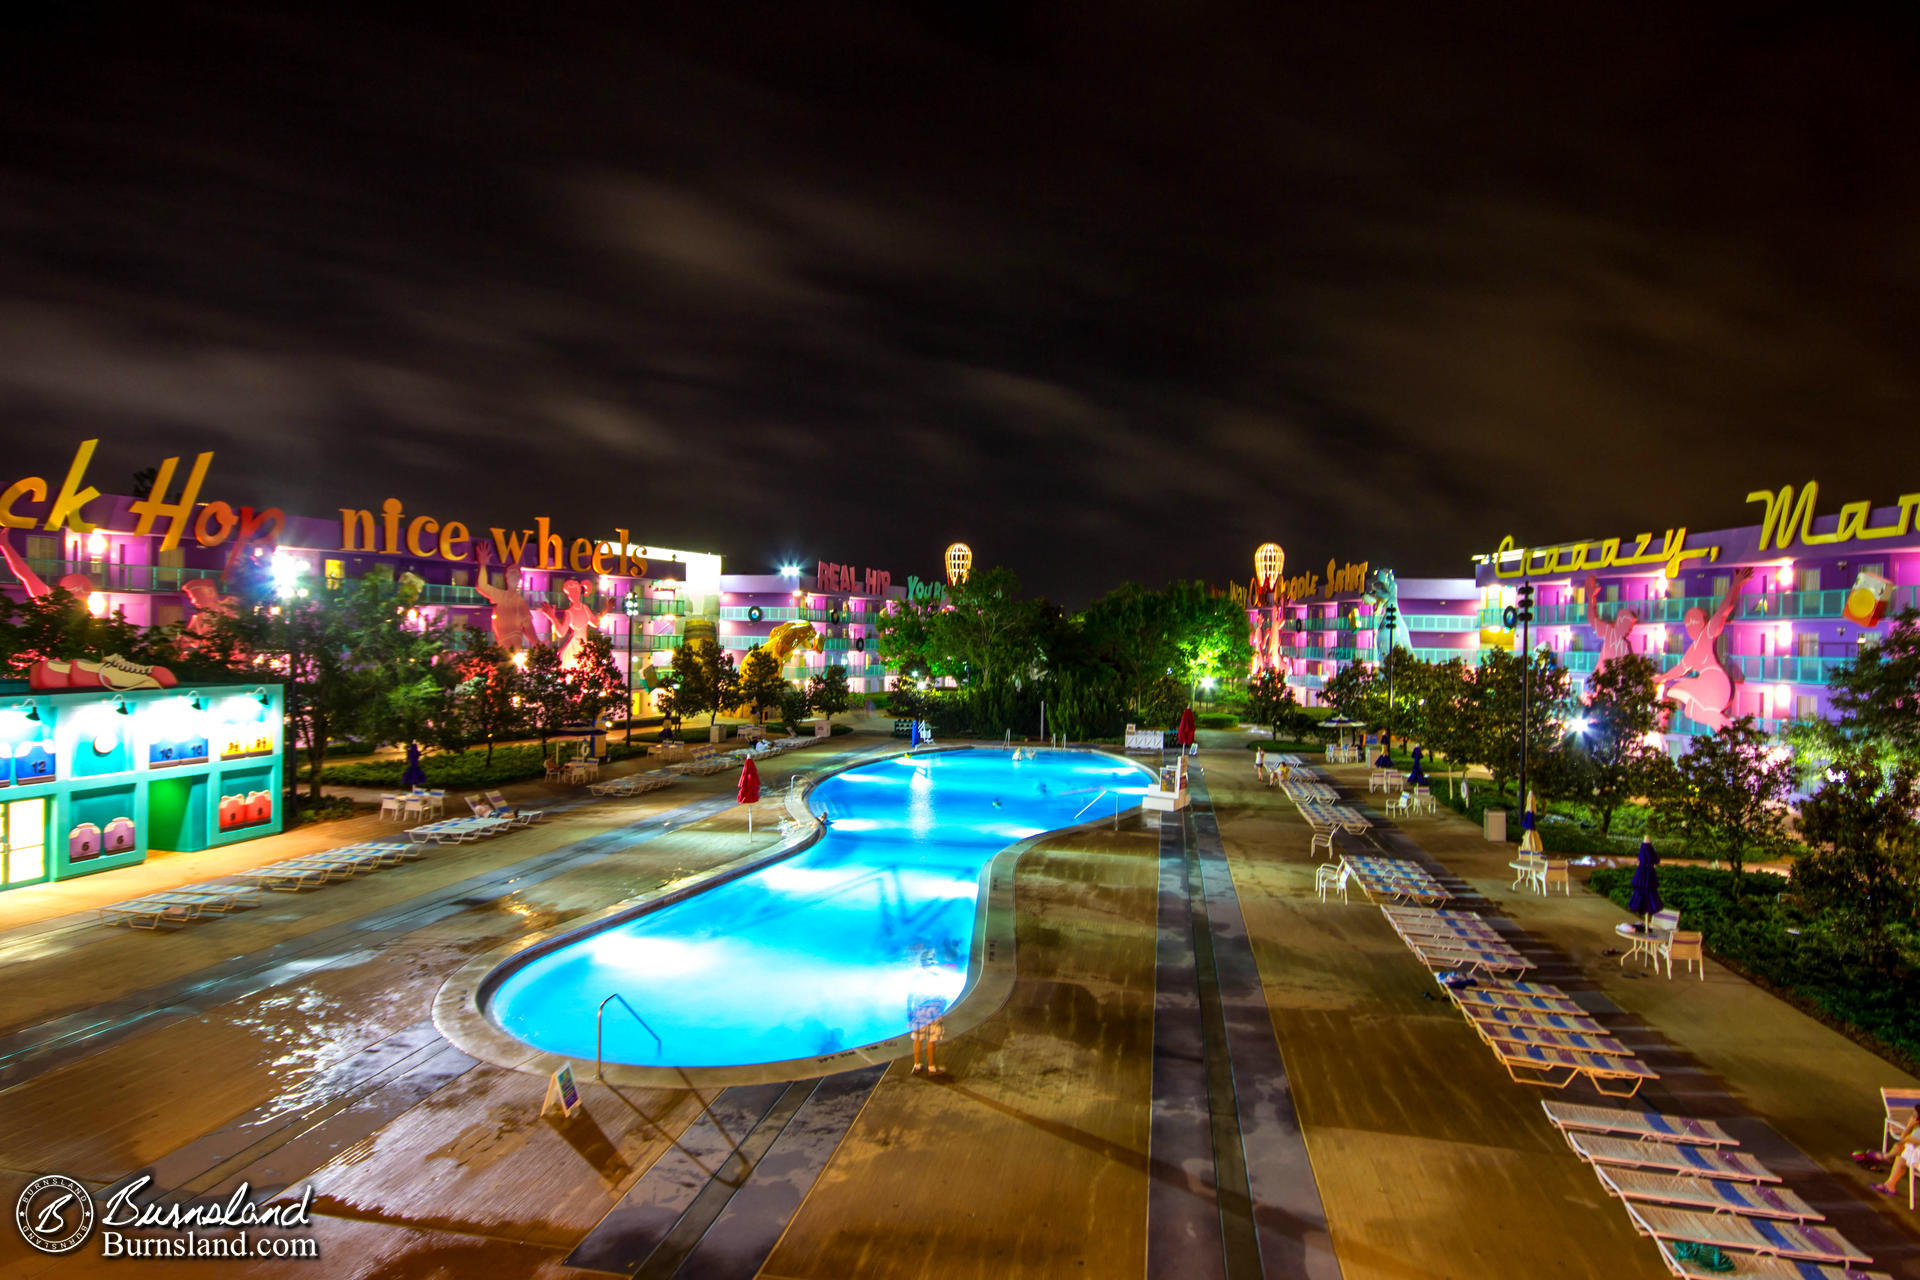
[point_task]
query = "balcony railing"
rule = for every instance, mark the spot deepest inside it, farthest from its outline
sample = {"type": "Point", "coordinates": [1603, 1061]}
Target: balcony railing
{"type": "Point", "coordinates": [780, 613]}
{"type": "Point", "coordinates": [157, 577]}
{"type": "Point", "coordinates": [1763, 606]}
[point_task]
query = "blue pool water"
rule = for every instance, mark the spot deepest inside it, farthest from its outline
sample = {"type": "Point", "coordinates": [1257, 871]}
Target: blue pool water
{"type": "Point", "coordinates": [828, 949]}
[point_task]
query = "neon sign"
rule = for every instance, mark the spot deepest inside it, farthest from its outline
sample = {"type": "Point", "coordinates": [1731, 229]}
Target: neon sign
{"type": "Point", "coordinates": [1787, 520]}
{"type": "Point", "coordinates": [1572, 557]}
{"type": "Point", "coordinates": [360, 530]}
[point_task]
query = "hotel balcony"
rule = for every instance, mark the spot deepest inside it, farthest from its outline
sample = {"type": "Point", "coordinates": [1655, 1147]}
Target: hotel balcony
{"type": "Point", "coordinates": [1766, 606]}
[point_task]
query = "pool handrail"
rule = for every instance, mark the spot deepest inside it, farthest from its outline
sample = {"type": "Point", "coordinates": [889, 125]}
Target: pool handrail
{"type": "Point", "coordinates": [1089, 804]}
{"type": "Point", "coordinates": [599, 1059]}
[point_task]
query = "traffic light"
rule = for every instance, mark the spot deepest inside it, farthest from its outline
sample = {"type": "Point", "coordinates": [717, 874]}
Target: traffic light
{"type": "Point", "coordinates": [1525, 595]}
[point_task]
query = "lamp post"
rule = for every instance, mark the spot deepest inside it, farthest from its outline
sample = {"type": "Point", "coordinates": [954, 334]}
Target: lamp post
{"type": "Point", "coordinates": [631, 605]}
{"type": "Point", "coordinates": [1523, 614]}
{"type": "Point", "coordinates": [1390, 619]}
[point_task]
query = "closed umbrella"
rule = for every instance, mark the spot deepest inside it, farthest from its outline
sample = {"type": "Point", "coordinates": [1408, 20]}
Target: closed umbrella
{"type": "Point", "coordinates": [1415, 778]}
{"type": "Point", "coordinates": [1645, 898]}
{"type": "Point", "coordinates": [748, 790]}
{"type": "Point", "coordinates": [1184, 734]}
{"type": "Point", "coordinates": [1530, 834]}
{"type": "Point", "coordinates": [913, 738]}
{"type": "Point", "coordinates": [414, 777]}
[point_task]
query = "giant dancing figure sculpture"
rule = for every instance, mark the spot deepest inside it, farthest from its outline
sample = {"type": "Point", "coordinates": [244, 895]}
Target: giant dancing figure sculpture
{"type": "Point", "coordinates": [1615, 636]}
{"type": "Point", "coordinates": [512, 618]}
{"type": "Point", "coordinates": [570, 628]}
{"type": "Point", "coordinates": [79, 584]}
{"type": "Point", "coordinates": [1698, 682]}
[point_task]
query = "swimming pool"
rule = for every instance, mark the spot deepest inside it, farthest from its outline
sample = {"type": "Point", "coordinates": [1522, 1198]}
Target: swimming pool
{"type": "Point", "coordinates": [826, 950]}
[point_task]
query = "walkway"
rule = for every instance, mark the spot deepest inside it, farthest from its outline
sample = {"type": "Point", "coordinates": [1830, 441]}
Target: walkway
{"type": "Point", "coordinates": [1201, 1071]}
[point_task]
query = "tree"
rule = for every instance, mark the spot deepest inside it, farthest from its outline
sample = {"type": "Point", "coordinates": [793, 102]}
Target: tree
{"type": "Point", "coordinates": [1864, 863]}
{"type": "Point", "coordinates": [490, 700]}
{"type": "Point", "coordinates": [703, 679]}
{"type": "Point", "coordinates": [793, 709]}
{"type": "Point", "coordinates": [1357, 692]}
{"type": "Point", "coordinates": [351, 662]}
{"type": "Point", "coordinates": [1728, 796]}
{"type": "Point", "coordinates": [1449, 722]}
{"type": "Point", "coordinates": [761, 684]}
{"type": "Point", "coordinates": [985, 637]}
{"type": "Point", "coordinates": [549, 704]}
{"type": "Point", "coordinates": [1876, 703]}
{"type": "Point", "coordinates": [1209, 633]}
{"type": "Point", "coordinates": [1270, 701]}
{"type": "Point", "coordinates": [595, 683]}
{"type": "Point", "coordinates": [827, 692]}
{"type": "Point", "coordinates": [1495, 714]}
{"type": "Point", "coordinates": [1608, 757]}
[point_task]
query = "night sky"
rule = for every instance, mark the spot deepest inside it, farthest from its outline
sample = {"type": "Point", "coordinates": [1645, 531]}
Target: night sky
{"type": "Point", "coordinates": [1109, 290]}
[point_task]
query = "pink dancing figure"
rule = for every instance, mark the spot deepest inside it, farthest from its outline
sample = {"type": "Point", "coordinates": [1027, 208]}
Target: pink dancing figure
{"type": "Point", "coordinates": [210, 608]}
{"type": "Point", "coordinates": [1277, 640]}
{"type": "Point", "coordinates": [1257, 637]}
{"type": "Point", "coordinates": [1615, 636]}
{"type": "Point", "coordinates": [570, 628]}
{"type": "Point", "coordinates": [1705, 694]}
{"type": "Point", "coordinates": [512, 619]}
{"type": "Point", "coordinates": [78, 583]}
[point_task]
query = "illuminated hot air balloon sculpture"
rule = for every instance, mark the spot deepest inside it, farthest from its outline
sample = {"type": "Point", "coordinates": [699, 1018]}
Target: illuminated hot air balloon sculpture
{"type": "Point", "coordinates": [959, 563]}
{"type": "Point", "coordinates": [1268, 633]}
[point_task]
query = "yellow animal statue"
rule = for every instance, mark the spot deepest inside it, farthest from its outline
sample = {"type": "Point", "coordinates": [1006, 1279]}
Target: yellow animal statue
{"type": "Point", "coordinates": [788, 636]}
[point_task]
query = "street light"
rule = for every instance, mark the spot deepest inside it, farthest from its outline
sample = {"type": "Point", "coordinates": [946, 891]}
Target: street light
{"type": "Point", "coordinates": [632, 605]}
{"type": "Point", "coordinates": [1390, 620]}
{"type": "Point", "coordinates": [1523, 614]}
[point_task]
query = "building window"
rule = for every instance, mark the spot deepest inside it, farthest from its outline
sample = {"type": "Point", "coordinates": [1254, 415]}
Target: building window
{"type": "Point", "coordinates": [336, 573]}
{"type": "Point", "coordinates": [1807, 579]}
{"type": "Point", "coordinates": [1803, 706]}
{"type": "Point", "coordinates": [460, 578]}
{"type": "Point", "coordinates": [23, 841]}
{"type": "Point", "coordinates": [1807, 644]}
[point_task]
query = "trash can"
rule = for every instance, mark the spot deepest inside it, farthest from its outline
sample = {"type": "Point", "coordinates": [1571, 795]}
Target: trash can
{"type": "Point", "coordinates": [1496, 820]}
{"type": "Point", "coordinates": [715, 733]}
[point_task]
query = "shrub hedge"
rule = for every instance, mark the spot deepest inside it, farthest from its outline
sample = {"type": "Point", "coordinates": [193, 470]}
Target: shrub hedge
{"type": "Point", "coordinates": [1867, 986]}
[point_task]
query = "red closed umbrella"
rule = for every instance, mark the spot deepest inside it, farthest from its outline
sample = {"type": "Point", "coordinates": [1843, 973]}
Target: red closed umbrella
{"type": "Point", "coordinates": [1184, 734]}
{"type": "Point", "coordinates": [748, 791]}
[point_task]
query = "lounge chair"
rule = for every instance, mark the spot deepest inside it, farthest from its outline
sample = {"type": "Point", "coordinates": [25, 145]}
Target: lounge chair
{"type": "Point", "coordinates": [1576, 1023]}
{"type": "Point", "coordinates": [1458, 953]}
{"type": "Point", "coordinates": [1670, 1157]}
{"type": "Point", "coordinates": [287, 878]}
{"type": "Point", "coordinates": [1558, 1068]}
{"type": "Point", "coordinates": [1707, 1195]}
{"type": "Point", "coordinates": [521, 815]}
{"type": "Point", "coordinates": [149, 913]}
{"type": "Point", "coordinates": [1803, 1241]}
{"type": "Point", "coordinates": [1569, 1117]}
{"type": "Point", "coordinates": [1751, 1266]}
{"type": "Point", "coordinates": [1501, 998]}
{"type": "Point", "coordinates": [1507, 1033]}
{"type": "Point", "coordinates": [1898, 1102]}
{"type": "Point", "coordinates": [220, 898]}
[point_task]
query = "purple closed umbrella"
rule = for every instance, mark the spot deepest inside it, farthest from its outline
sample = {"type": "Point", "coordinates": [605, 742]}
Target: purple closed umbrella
{"type": "Point", "coordinates": [1645, 898]}
{"type": "Point", "coordinates": [1415, 776]}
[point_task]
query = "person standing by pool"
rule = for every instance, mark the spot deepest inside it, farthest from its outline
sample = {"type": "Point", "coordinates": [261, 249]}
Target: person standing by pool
{"type": "Point", "coordinates": [927, 1000]}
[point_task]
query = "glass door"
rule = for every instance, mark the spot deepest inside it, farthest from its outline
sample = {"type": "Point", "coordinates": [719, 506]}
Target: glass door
{"type": "Point", "coordinates": [23, 842]}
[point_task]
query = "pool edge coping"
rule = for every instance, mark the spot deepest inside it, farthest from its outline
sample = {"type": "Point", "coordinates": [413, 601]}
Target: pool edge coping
{"type": "Point", "coordinates": [460, 1016]}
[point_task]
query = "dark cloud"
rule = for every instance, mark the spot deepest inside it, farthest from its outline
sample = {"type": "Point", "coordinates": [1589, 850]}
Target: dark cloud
{"type": "Point", "coordinates": [1108, 290]}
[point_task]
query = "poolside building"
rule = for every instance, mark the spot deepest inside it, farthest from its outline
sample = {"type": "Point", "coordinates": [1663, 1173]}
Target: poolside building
{"type": "Point", "coordinates": [1749, 621]}
{"type": "Point", "coordinates": [815, 616]}
{"type": "Point", "coordinates": [93, 778]}
{"type": "Point", "coordinates": [1311, 626]}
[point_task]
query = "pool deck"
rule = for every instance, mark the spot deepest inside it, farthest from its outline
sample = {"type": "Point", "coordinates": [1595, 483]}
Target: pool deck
{"type": "Point", "coordinates": [1201, 1070]}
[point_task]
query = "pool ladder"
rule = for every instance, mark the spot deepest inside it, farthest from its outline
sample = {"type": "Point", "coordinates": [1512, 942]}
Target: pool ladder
{"type": "Point", "coordinates": [599, 1064]}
